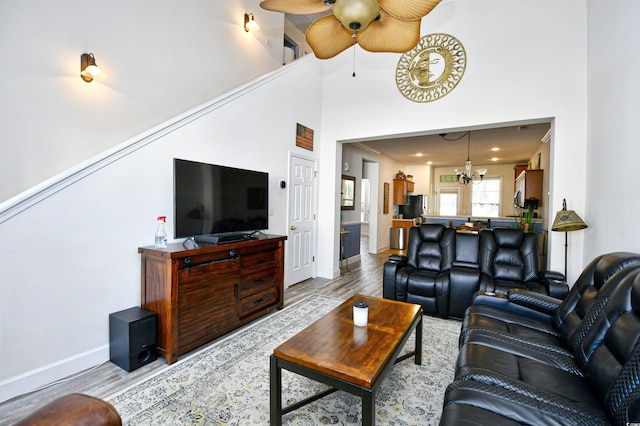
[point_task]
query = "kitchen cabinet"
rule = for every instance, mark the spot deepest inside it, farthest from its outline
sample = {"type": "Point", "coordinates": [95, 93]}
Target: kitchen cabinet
{"type": "Point", "coordinates": [529, 185]}
{"type": "Point", "coordinates": [401, 188]}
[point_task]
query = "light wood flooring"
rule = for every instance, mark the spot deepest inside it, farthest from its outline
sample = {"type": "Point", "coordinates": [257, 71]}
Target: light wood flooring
{"type": "Point", "coordinates": [364, 276]}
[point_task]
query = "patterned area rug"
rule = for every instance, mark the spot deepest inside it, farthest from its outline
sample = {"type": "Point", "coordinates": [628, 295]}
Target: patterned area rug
{"type": "Point", "coordinates": [227, 383]}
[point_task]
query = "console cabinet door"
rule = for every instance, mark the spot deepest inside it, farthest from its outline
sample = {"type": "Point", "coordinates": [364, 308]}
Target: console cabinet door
{"type": "Point", "coordinates": [207, 302]}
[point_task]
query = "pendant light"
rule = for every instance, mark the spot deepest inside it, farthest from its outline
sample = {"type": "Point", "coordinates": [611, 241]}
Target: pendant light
{"type": "Point", "coordinates": [465, 175]}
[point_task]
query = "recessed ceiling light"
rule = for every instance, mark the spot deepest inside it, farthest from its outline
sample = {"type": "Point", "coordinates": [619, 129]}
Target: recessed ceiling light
{"type": "Point", "coordinates": [495, 148]}
{"type": "Point", "coordinates": [429, 162]}
{"type": "Point", "coordinates": [419, 154]}
{"type": "Point", "coordinates": [495, 159]}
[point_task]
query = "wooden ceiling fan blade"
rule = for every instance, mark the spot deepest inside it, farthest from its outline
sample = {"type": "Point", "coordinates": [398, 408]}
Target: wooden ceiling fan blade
{"type": "Point", "coordinates": [296, 7]}
{"type": "Point", "coordinates": [408, 9]}
{"type": "Point", "coordinates": [327, 37]}
{"type": "Point", "coordinates": [389, 34]}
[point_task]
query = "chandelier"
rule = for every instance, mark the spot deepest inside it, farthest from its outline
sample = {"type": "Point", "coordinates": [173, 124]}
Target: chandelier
{"type": "Point", "coordinates": [465, 176]}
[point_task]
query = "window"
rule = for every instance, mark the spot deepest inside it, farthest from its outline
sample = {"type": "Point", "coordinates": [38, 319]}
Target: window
{"type": "Point", "coordinates": [485, 198]}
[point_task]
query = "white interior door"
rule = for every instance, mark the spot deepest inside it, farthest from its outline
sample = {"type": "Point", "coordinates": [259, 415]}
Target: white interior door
{"type": "Point", "coordinates": [365, 200]}
{"type": "Point", "coordinates": [301, 234]}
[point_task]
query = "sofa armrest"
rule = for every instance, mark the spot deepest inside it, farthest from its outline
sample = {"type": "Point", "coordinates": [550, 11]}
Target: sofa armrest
{"type": "Point", "coordinates": [503, 302]}
{"type": "Point", "coordinates": [389, 272]}
{"type": "Point", "coordinates": [487, 298]}
{"type": "Point", "coordinates": [555, 288]}
{"type": "Point", "coordinates": [551, 275]}
{"type": "Point", "coordinates": [532, 300]}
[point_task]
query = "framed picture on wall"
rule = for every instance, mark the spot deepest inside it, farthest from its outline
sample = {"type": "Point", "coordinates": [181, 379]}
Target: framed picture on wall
{"type": "Point", "coordinates": [385, 201]}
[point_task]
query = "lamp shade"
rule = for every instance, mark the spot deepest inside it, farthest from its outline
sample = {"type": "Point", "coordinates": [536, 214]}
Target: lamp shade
{"type": "Point", "coordinates": [356, 15]}
{"type": "Point", "coordinates": [567, 220]}
{"type": "Point", "coordinates": [88, 67]}
{"type": "Point", "coordinates": [250, 23]}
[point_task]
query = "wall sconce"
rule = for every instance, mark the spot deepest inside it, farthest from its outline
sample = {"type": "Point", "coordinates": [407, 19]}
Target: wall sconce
{"type": "Point", "coordinates": [250, 23]}
{"type": "Point", "coordinates": [88, 68]}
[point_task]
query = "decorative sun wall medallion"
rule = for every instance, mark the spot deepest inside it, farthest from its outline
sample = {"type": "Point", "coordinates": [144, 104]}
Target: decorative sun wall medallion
{"type": "Point", "coordinates": [432, 69]}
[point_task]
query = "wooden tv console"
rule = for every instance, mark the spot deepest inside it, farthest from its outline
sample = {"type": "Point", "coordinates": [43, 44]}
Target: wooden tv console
{"type": "Point", "coordinates": [203, 293]}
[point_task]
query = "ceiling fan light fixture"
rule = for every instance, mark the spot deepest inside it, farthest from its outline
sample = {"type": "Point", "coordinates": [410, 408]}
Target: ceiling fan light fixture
{"type": "Point", "coordinates": [356, 15]}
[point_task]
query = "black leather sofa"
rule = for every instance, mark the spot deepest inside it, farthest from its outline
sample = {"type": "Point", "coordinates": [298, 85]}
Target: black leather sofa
{"type": "Point", "coordinates": [527, 358]}
{"type": "Point", "coordinates": [443, 268]}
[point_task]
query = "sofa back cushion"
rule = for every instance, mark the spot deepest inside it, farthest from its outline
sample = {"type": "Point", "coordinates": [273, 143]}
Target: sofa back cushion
{"type": "Point", "coordinates": [579, 302]}
{"type": "Point", "coordinates": [614, 341]}
{"type": "Point", "coordinates": [431, 247]}
{"type": "Point", "coordinates": [509, 254]}
{"type": "Point", "coordinates": [467, 249]}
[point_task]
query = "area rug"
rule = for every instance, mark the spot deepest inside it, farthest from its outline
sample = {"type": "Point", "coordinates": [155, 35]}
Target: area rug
{"type": "Point", "coordinates": [227, 383]}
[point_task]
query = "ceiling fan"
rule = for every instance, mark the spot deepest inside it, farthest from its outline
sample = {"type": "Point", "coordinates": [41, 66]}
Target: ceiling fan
{"type": "Point", "coordinates": [376, 25]}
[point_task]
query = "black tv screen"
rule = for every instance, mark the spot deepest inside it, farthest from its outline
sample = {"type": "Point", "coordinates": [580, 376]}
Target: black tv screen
{"type": "Point", "coordinates": [211, 199]}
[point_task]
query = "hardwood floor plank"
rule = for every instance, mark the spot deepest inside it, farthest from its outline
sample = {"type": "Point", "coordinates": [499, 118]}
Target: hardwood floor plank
{"type": "Point", "coordinates": [364, 276]}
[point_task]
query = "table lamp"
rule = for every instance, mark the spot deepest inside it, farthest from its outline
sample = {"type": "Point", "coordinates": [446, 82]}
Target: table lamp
{"type": "Point", "coordinates": [567, 221]}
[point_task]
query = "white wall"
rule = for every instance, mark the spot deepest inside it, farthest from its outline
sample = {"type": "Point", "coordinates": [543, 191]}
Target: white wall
{"type": "Point", "coordinates": [612, 163]}
{"type": "Point", "coordinates": [421, 178]}
{"type": "Point", "coordinates": [72, 259]}
{"type": "Point", "coordinates": [515, 51]}
{"type": "Point", "coordinates": [160, 57]}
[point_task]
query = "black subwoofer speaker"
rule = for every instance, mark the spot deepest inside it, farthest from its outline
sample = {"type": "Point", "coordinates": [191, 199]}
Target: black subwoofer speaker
{"type": "Point", "coordinates": [132, 338]}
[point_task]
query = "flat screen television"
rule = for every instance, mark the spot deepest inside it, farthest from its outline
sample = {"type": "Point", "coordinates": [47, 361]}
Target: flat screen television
{"type": "Point", "coordinates": [212, 200]}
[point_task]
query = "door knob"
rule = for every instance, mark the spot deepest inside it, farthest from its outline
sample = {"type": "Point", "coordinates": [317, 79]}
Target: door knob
{"type": "Point", "coordinates": [293, 228]}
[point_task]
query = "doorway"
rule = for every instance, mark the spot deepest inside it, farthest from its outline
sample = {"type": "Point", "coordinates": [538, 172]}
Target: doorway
{"type": "Point", "coordinates": [365, 207]}
{"type": "Point", "coordinates": [448, 200]}
{"type": "Point", "coordinates": [369, 206]}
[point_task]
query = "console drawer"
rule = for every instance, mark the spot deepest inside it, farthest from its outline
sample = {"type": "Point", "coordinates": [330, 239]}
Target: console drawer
{"type": "Point", "coordinates": [256, 280]}
{"type": "Point", "coordinates": [258, 301]}
{"type": "Point", "coordinates": [258, 258]}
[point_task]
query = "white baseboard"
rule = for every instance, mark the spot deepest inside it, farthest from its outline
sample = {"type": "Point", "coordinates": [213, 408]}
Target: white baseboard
{"type": "Point", "coordinates": [327, 273]}
{"type": "Point", "coordinates": [40, 377]}
{"type": "Point", "coordinates": [354, 259]}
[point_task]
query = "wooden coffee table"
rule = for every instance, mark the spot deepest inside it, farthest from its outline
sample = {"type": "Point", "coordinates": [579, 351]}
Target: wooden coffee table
{"type": "Point", "coordinates": [353, 359]}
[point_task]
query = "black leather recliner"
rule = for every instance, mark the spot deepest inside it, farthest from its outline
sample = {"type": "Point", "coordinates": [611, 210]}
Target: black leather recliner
{"type": "Point", "coordinates": [509, 259]}
{"type": "Point", "coordinates": [494, 261]}
{"type": "Point", "coordinates": [510, 372]}
{"type": "Point", "coordinates": [522, 313]}
{"type": "Point", "coordinates": [422, 276]}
